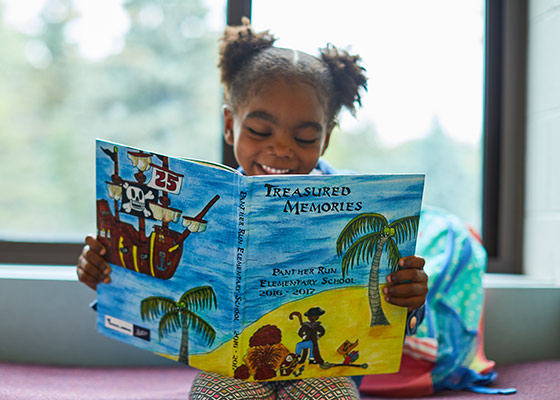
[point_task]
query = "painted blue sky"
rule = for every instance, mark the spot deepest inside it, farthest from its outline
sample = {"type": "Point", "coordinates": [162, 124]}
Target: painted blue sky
{"type": "Point", "coordinates": [308, 241]}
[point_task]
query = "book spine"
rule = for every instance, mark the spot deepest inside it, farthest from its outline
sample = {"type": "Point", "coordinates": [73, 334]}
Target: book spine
{"type": "Point", "coordinates": [239, 274]}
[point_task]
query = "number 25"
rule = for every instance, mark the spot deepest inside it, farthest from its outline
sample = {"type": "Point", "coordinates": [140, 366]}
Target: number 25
{"type": "Point", "coordinates": [166, 181]}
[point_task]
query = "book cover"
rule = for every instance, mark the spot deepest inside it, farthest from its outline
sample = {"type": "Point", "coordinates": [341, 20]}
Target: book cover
{"type": "Point", "coordinates": [260, 277]}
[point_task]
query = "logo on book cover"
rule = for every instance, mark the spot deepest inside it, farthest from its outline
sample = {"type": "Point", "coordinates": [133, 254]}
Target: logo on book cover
{"type": "Point", "coordinates": [141, 333]}
{"type": "Point", "coordinates": [126, 328]}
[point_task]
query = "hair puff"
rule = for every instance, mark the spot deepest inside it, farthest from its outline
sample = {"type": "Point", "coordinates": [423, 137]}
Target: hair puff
{"type": "Point", "coordinates": [348, 76]}
{"type": "Point", "coordinates": [237, 45]}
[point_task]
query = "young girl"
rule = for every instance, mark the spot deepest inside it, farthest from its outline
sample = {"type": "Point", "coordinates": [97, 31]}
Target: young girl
{"type": "Point", "coordinates": [281, 107]}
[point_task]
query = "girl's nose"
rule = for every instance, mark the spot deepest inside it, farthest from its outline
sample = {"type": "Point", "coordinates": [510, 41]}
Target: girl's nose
{"type": "Point", "coordinates": [281, 147]}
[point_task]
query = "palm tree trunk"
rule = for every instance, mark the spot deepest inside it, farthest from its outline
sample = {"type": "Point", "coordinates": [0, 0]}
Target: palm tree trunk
{"type": "Point", "coordinates": [184, 349]}
{"type": "Point", "coordinates": [377, 315]}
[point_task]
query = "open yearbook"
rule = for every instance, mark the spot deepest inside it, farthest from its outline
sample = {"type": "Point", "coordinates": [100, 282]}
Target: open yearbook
{"type": "Point", "coordinates": [255, 277]}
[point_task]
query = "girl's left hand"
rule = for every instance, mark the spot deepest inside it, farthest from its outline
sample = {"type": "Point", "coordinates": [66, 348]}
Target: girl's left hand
{"type": "Point", "coordinates": [408, 286]}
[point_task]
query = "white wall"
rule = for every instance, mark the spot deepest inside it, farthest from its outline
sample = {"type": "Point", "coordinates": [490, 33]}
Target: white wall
{"type": "Point", "coordinates": [48, 321]}
{"type": "Point", "coordinates": [542, 198]}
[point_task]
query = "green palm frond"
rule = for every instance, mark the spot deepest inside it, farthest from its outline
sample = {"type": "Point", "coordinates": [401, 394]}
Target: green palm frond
{"type": "Point", "coordinates": [363, 223]}
{"type": "Point", "coordinates": [202, 297]}
{"type": "Point", "coordinates": [199, 325]}
{"type": "Point", "coordinates": [405, 228]}
{"type": "Point", "coordinates": [169, 323]}
{"type": "Point", "coordinates": [153, 307]}
{"type": "Point", "coordinates": [393, 255]}
{"type": "Point", "coordinates": [361, 250]}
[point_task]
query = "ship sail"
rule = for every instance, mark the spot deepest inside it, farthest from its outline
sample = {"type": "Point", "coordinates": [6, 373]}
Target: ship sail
{"type": "Point", "coordinates": [165, 214]}
{"type": "Point", "coordinates": [194, 225]}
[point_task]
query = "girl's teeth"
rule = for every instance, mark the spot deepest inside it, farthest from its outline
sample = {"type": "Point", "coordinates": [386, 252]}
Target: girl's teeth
{"type": "Point", "coordinates": [271, 170]}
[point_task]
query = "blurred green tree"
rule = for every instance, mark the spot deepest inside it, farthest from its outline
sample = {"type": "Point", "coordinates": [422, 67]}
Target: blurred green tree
{"type": "Point", "coordinates": [160, 91]}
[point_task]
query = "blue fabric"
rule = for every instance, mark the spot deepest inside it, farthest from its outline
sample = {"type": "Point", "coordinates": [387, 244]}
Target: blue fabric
{"type": "Point", "coordinates": [487, 390]}
{"type": "Point", "coordinates": [455, 264]}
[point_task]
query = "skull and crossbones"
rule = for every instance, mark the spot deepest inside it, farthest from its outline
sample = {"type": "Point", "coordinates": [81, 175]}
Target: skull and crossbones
{"type": "Point", "coordinates": [137, 199]}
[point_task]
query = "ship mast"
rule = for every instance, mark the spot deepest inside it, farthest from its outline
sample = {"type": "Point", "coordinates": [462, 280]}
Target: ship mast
{"type": "Point", "coordinates": [115, 186]}
{"type": "Point", "coordinates": [142, 161]}
{"type": "Point", "coordinates": [116, 180]}
{"type": "Point", "coordinates": [165, 196]}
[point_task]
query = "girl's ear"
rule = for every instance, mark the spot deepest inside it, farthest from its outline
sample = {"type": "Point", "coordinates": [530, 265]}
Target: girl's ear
{"type": "Point", "coordinates": [228, 125]}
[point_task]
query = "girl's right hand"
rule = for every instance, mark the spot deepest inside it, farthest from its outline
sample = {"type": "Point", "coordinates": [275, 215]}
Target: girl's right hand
{"type": "Point", "coordinates": [92, 267]}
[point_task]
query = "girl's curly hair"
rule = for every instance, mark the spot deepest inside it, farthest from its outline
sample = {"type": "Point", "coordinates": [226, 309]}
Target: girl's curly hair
{"type": "Point", "coordinates": [247, 59]}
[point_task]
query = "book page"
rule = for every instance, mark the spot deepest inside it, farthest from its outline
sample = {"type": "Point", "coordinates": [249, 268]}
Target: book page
{"type": "Point", "coordinates": [318, 251]}
{"type": "Point", "coordinates": [170, 228]}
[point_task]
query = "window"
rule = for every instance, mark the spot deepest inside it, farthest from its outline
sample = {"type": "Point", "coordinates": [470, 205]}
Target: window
{"type": "Point", "coordinates": [148, 78]}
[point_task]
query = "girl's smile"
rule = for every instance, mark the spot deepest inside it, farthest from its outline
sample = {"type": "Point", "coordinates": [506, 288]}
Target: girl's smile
{"type": "Point", "coordinates": [281, 129]}
{"type": "Point", "coordinates": [273, 171]}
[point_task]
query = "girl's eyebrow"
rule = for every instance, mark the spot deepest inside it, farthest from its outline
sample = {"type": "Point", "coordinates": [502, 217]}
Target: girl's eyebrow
{"type": "Point", "coordinates": [260, 114]}
{"type": "Point", "coordinates": [310, 124]}
{"type": "Point", "coordinates": [264, 115]}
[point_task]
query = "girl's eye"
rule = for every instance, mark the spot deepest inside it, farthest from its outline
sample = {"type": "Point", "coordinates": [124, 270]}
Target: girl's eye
{"type": "Point", "coordinates": [306, 141]}
{"type": "Point", "coordinates": [258, 133]}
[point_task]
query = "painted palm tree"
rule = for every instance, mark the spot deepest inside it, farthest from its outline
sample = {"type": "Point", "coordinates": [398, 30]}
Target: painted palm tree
{"type": "Point", "coordinates": [181, 314]}
{"type": "Point", "coordinates": [364, 239]}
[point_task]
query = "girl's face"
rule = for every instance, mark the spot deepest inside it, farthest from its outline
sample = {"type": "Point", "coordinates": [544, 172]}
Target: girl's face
{"type": "Point", "coordinates": [282, 129]}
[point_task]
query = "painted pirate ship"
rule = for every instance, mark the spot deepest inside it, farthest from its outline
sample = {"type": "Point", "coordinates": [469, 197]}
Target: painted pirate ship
{"type": "Point", "coordinates": [157, 253]}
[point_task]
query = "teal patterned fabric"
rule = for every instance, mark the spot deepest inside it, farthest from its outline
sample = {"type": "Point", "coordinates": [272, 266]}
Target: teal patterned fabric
{"type": "Point", "coordinates": [455, 264]}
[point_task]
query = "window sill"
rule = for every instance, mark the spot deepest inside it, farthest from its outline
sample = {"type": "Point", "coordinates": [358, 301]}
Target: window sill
{"type": "Point", "coordinates": [515, 281]}
{"type": "Point", "coordinates": [68, 273]}
{"type": "Point", "coordinates": [38, 272]}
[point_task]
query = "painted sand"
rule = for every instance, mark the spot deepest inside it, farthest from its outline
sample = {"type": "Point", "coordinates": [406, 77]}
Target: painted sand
{"type": "Point", "coordinates": [383, 343]}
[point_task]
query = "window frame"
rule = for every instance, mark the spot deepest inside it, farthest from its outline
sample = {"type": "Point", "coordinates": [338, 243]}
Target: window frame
{"type": "Point", "coordinates": [504, 140]}
{"type": "Point", "coordinates": [236, 10]}
{"type": "Point", "coordinates": [504, 134]}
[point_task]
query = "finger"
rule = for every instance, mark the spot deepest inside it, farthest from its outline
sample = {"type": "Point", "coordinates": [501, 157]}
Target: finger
{"type": "Point", "coordinates": [85, 277]}
{"type": "Point", "coordinates": [90, 284]}
{"type": "Point", "coordinates": [405, 276]}
{"type": "Point", "coordinates": [96, 260]}
{"type": "Point", "coordinates": [404, 291]}
{"type": "Point", "coordinates": [412, 262]}
{"type": "Point", "coordinates": [412, 303]}
{"type": "Point", "coordinates": [94, 267]}
{"type": "Point", "coordinates": [91, 271]}
{"type": "Point", "coordinates": [91, 280]}
{"type": "Point", "coordinates": [95, 245]}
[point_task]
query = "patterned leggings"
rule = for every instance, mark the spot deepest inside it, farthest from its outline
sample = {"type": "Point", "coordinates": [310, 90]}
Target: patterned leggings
{"type": "Point", "coordinates": [208, 385]}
